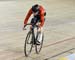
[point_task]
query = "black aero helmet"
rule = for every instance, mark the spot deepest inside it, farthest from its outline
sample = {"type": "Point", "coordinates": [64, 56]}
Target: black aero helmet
{"type": "Point", "coordinates": [35, 8]}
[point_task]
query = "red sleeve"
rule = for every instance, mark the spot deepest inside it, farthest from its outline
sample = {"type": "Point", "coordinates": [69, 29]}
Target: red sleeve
{"type": "Point", "coordinates": [27, 17]}
{"type": "Point", "coordinates": [42, 10]}
{"type": "Point", "coordinates": [42, 19]}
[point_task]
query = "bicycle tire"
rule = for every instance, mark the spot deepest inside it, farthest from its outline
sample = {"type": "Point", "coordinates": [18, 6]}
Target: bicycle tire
{"type": "Point", "coordinates": [26, 52]}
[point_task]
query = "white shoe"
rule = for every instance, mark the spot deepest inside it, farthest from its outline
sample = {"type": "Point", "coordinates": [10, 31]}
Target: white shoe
{"type": "Point", "coordinates": [38, 43]}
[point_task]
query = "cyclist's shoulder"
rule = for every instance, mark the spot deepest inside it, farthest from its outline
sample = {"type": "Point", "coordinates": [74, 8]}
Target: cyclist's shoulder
{"type": "Point", "coordinates": [42, 8]}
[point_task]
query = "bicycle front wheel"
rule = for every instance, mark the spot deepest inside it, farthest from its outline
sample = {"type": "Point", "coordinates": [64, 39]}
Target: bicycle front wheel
{"type": "Point", "coordinates": [28, 46]}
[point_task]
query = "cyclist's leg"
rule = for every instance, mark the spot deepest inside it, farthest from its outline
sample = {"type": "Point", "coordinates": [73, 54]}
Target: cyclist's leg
{"type": "Point", "coordinates": [40, 32]}
{"type": "Point", "coordinates": [33, 22]}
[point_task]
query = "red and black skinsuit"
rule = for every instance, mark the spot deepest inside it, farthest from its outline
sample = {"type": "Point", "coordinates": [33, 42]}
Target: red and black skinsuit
{"type": "Point", "coordinates": [37, 18]}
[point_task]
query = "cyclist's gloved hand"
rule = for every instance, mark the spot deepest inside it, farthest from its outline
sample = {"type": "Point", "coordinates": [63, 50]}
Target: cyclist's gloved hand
{"type": "Point", "coordinates": [24, 27]}
{"type": "Point", "coordinates": [39, 26]}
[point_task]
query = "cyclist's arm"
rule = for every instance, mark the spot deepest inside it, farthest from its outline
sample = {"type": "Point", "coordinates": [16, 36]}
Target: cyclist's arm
{"type": "Point", "coordinates": [42, 19]}
{"type": "Point", "coordinates": [27, 17]}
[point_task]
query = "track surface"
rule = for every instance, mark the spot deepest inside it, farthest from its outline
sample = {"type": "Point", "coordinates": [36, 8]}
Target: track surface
{"type": "Point", "coordinates": [59, 29]}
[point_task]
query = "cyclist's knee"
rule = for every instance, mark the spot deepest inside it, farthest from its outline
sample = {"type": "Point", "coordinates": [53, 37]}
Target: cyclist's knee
{"type": "Point", "coordinates": [33, 21]}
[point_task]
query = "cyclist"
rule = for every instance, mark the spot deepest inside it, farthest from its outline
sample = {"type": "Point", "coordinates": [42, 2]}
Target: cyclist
{"type": "Point", "coordinates": [39, 14]}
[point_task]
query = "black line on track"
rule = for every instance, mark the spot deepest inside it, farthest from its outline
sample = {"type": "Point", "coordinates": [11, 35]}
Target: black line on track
{"type": "Point", "coordinates": [59, 54]}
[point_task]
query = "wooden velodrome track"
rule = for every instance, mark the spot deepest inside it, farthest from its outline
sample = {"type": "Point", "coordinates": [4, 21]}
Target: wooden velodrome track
{"type": "Point", "coordinates": [59, 29]}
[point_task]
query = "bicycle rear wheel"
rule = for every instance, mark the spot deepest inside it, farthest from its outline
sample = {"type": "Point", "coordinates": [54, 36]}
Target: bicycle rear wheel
{"type": "Point", "coordinates": [39, 47]}
{"type": "Point", "coordinates": [28, 46]}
